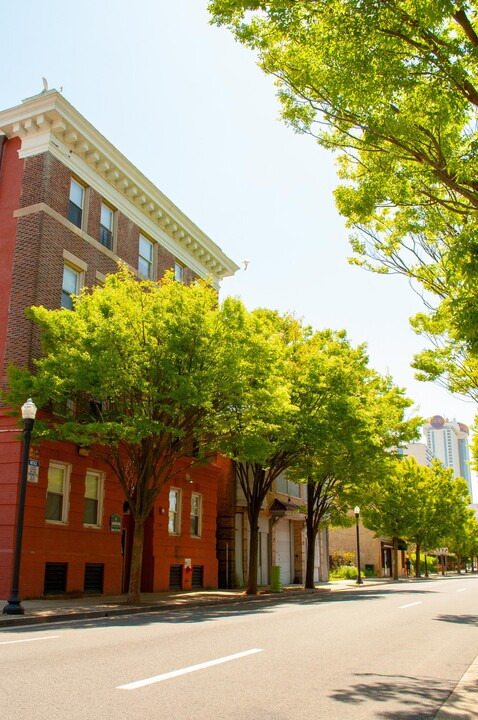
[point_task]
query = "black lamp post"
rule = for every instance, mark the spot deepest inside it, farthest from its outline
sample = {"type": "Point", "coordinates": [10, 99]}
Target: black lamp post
{"type": "Point", "coordinates": [357, 515]}
{"type": "Point", "coordinates": [14, 605]}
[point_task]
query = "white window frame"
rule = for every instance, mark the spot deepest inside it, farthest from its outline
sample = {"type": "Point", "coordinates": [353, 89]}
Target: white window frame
{"type": "Point", "coordinates": [148, 262]}
{"type": "Point", "coordinates": [198, 516]}
{"type": "Point", "coordinates": [178, 271]}
{"type": "Point", "coordinates": [64, 293]}
{"type": "Point", "coordinates": [74, 182]}
{"type": "Point", "coordinates": [77, 266]}
{"type": "Point", "coordinates": [65, 494]}
{"type": "Point", "coordinates": [99, 508]}
{"type": "Point", "coordinates": [175, 515]}
{"type": "Point", "coordinates": [110, 229]}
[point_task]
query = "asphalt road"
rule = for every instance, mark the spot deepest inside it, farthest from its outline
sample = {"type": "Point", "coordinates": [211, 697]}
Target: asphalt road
{"type": "Point", "coordinates": [392, 652]}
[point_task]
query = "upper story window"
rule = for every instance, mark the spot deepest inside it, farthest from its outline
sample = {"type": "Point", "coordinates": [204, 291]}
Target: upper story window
{"type": "Point", "coordinates": [287, 487]}
{"type": "Point", "coordinates": [174, 524]}
{"type": "Point", "coordinates": [195, 515]}
{"type": "Point", "coordinates": [93, 498]}
{"type": "Point", "coordinates": [178, 272]}
{"type": "Point", "coordinates": [57, 492]}
{"type": "Point", "coordinates": [76, 204]}
{"type": "Point", "coordinates": [145, 260]}
{"type": "Point", "coordinates": [71, 286]}
{"type": "Point", "coordinates": [106, 226]}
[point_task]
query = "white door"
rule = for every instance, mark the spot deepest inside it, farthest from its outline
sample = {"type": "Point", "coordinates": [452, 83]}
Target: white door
{"type": "Point", "coordinates": [238, 542]}
{"type": "Point", "coordinates": [263, 553]}
{"type": "Point", "coordinates": [283, 550]}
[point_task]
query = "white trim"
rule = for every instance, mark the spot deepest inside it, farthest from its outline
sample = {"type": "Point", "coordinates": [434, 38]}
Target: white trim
{"type": "Point", "coordinates": [177, 532]}
{"type": "Point", "coordinates": [75, 262]}
{"type": "Point", "coordinates": [101, 492]}
{"type": "Point", "coordinates": [65, 508]}
{"type": "Point", "coordinates": [48, 122]}
{"type": "Point", "coordinates": [199, 515]}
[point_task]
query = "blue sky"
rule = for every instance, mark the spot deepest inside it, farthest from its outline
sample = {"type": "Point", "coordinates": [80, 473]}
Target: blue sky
{"type": "Point", "coordinates": [189, 107]}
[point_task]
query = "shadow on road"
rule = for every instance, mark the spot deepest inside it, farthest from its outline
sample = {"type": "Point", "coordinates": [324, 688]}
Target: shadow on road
{"type": "Point", "coordinates": [205, 612]}
{"type": "Point", "coordinates": [460, 619]}
{"type": "Point", "coordinates": [409, 698]}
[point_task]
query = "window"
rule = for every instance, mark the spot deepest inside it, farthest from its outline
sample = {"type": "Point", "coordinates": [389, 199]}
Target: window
{"type": "Point", "coordinates": [178, 272]}
{"type": "Point", "coordinates": [71, 286]}
{"type": "Point", "coordinates": [76, 204]}
{"type": "Point", "coordinates": [145, 261]}
{"type": "Point", "coordinates": [92, 514]}
{"type": "Point", "coordinates": [57, 492]}
{"type": "Point", "coordinates": [287, 487]}
{"type": "Point", "coordinates": [106, 226]}
{"type": "Point", "coordinates": [174, 512]}
{"type": "Point", "coordinates": [196, 515]}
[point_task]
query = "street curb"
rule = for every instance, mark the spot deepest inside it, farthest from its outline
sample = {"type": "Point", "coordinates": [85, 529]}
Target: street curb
{"type": "Point", "coordinates": [119, 611]}
{"type": "Point", "coordinates": [44, 617]}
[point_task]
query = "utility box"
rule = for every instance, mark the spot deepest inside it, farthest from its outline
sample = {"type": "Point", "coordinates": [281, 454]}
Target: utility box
{"type": "Point", "coordinates": [276, 582]}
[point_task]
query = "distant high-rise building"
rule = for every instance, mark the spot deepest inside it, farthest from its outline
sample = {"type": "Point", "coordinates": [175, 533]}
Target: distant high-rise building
{"type": "Point", "coordinates": [448, 441]}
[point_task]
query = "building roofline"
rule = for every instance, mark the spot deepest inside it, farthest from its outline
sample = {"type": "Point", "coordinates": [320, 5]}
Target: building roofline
{"type": "Point", "coordinates": [49, 122]}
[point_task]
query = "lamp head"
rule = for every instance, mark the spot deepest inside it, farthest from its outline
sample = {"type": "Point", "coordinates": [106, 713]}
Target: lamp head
{"type": "Point", "coordinates": [356, 511]}
{"type": "Point", "coordinates": [29, 410]}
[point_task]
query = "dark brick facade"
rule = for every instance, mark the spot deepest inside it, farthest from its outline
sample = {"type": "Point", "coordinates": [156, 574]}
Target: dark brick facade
{"type": "Point", "coordinates": [43, 233]}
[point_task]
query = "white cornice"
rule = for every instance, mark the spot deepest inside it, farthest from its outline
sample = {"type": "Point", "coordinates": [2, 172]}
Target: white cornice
{"type": "Point", "coordinates": [48, 122]}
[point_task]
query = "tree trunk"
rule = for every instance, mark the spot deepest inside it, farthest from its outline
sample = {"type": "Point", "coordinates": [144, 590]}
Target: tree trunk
{"type": "Point", "coordinates": [458, 557]}
{"type": "Point", "coordinates": [311, 538]}
{"type": "Point", "coordinates": [417, 562]}
{"type": "Point", "coordinates": [251, 588]}
{"type": "Point", "coordinates": [134, 592]}
{"type": "Point", "coordinates": [395, 559]}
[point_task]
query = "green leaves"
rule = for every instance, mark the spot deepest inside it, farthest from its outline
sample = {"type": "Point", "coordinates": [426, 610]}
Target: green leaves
{"type": "Point", "coordinates": [420, 504]}
{"type": "Point", "coordinates": [392, 88]}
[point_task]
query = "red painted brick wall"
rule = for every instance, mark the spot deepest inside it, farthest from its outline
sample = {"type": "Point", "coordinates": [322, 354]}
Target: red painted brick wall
{"type": "Point", "coordinates": [11, 170]}
{"type": "Point", "coordinates": [174, 549]}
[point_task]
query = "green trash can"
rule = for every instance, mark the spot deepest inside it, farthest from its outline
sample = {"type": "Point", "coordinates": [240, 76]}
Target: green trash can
{"type": "Point", "coordinates": [276, 583]}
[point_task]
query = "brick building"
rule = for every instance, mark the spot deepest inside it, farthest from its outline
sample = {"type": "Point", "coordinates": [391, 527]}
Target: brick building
{"type": "Point", "coordinates": [71, 206]}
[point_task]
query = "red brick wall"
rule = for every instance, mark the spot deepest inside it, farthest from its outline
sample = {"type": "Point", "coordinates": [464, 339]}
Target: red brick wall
{"type": "Point", "coordinates": [43, 541]}
{"type": "Point", "coordinates": [11, 169]}
{"type": "Point", "coordinates": [10, 459]}
{"type": "Point", "coordinates": [174, 549]}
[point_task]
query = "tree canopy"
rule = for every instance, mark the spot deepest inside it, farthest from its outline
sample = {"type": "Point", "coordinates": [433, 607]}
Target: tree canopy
{"type": "Point", "coordinates": [351, 418]}
{"type": "Point", "coordinates": [392, 87]}
{"type": "Point", "coordinates": [136, 372]}
{"type": "Point", "coordinates": [309, 404]}
{"type": "Point", "coordinates": [423, 505]}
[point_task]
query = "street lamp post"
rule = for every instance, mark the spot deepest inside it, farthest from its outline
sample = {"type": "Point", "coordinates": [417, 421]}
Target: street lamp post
{"type": "Point", "coordinates": [14, 605]}
{"type": "Point", "coordinates": [357, 516]}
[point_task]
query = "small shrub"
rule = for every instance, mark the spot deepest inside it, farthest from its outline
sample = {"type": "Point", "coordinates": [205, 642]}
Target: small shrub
{"type": "Point", "coordinates": [339, 558]}
{"type": "Point", "coordinates": [346, 572]}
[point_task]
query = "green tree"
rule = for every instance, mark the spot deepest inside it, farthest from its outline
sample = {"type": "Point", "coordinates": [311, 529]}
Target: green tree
{"type": "Point", "coordinates": [392, 87]}
{"type": "Point", "coordinates": [416, 503]}
{"type": "Point", "coordinates": [463, 539]}
{"type": "Point", "coordinates": [260, 423]}
{"type": "Point", "coordinates": [350, 417]}
{"type": "Point", "coordinates": [135, 372]}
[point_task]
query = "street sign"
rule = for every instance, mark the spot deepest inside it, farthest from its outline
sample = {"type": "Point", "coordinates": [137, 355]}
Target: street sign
{"type": "Point", "coordinates": [33, 470]}
{"type": "Point", "coordinates": [115, 523]}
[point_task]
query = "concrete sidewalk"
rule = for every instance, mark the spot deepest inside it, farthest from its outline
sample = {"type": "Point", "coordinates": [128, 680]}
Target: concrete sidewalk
{"type": "Point", "coordinates": [44, 610]}
{"type": "Point", "coordinates": [462, 704]}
